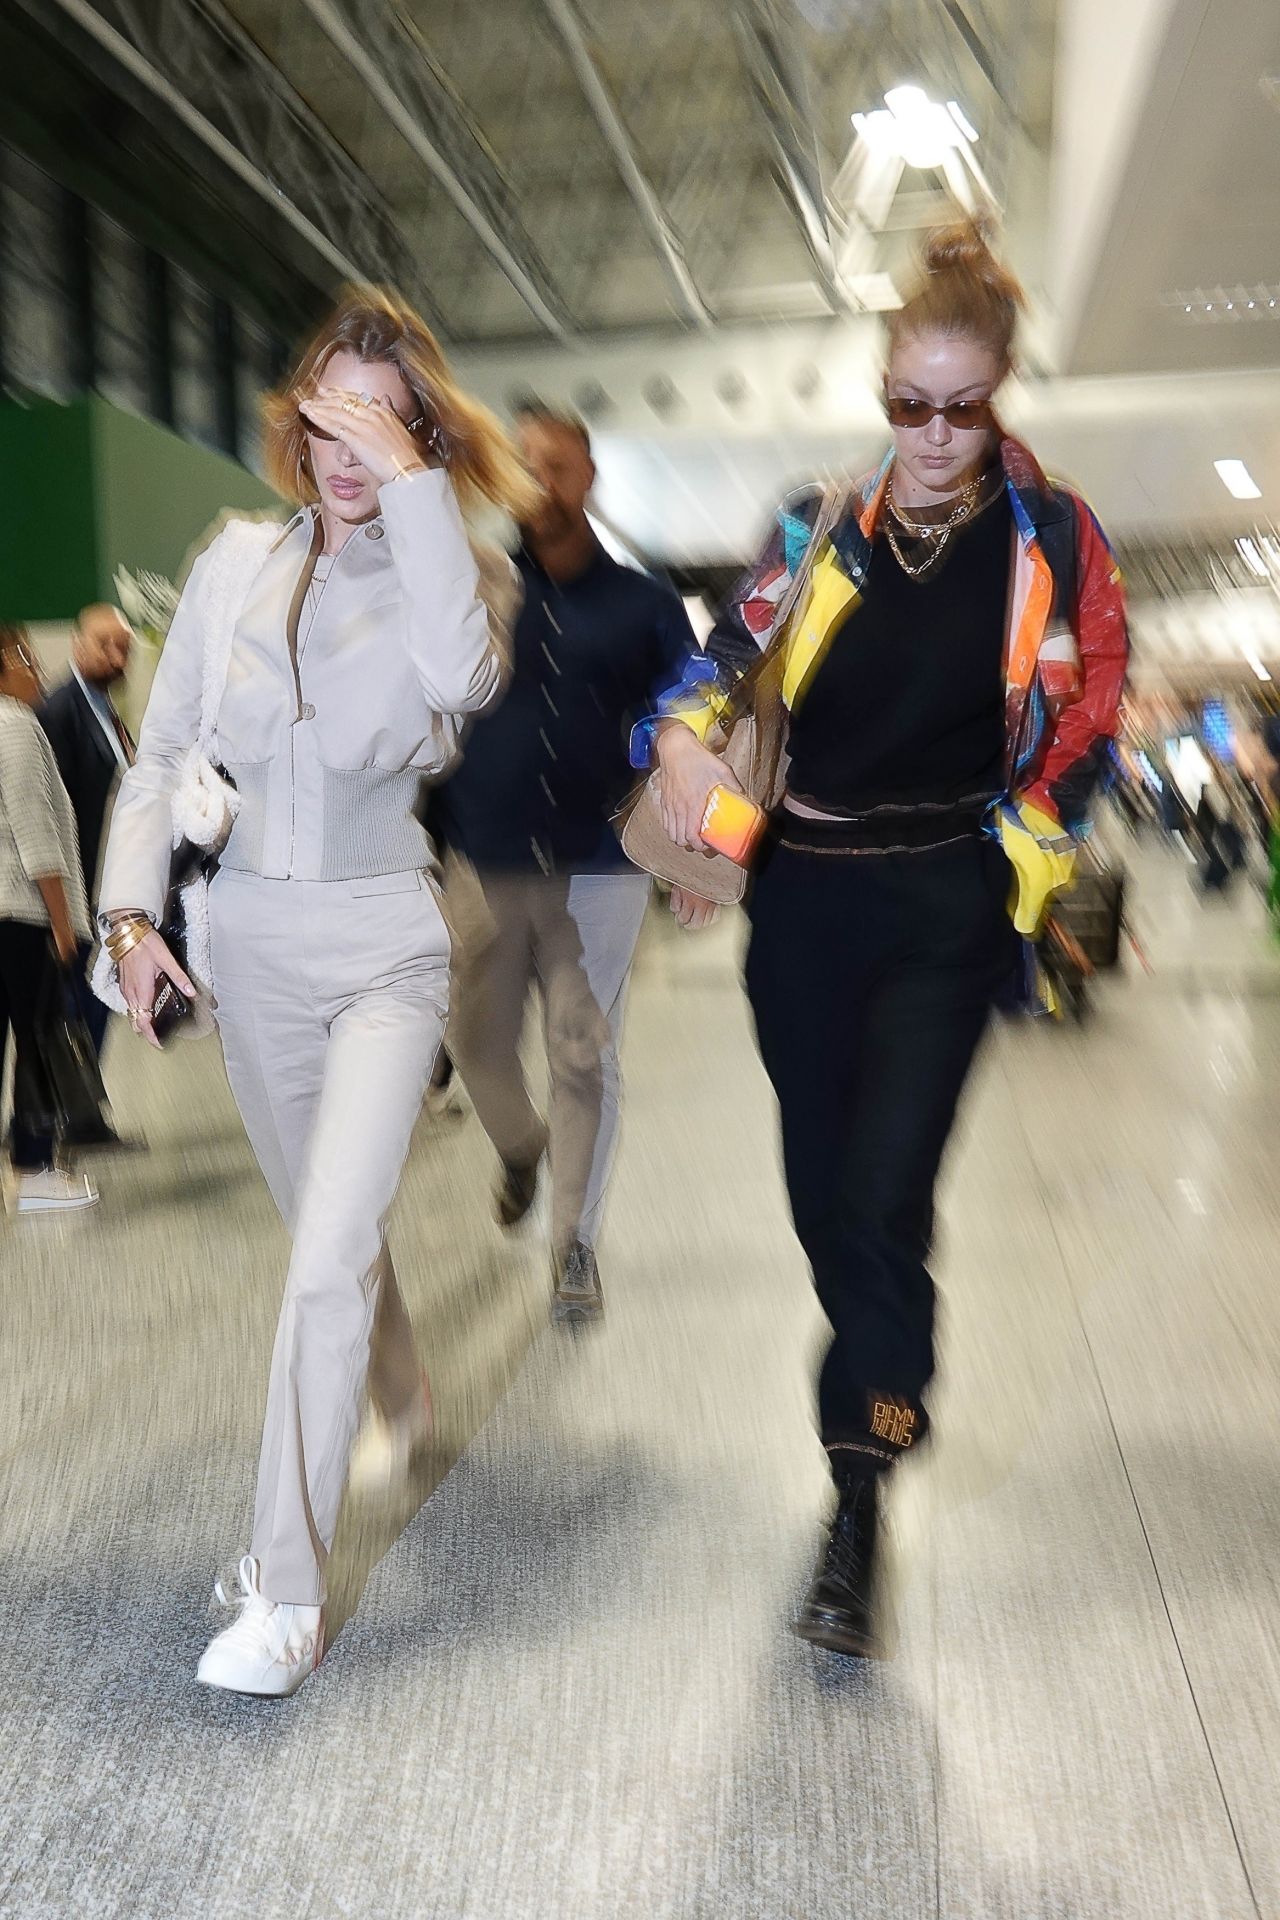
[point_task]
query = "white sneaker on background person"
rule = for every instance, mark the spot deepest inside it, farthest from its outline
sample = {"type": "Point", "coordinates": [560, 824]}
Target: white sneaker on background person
{"type": "Point", "coordinates": [271, 1646]}
{"type": "Point", "coordinates": [51, 1190]}
{"type": "Point", "coordinates": [384, 1454]}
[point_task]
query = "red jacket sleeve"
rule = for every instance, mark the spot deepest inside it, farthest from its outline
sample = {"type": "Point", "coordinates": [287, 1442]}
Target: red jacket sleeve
{"type": "Point", "coordinates": [1084, 729]}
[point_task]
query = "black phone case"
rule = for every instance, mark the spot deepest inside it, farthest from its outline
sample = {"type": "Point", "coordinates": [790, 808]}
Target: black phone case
{"type": "Point", "coordinates": [170, 1008]}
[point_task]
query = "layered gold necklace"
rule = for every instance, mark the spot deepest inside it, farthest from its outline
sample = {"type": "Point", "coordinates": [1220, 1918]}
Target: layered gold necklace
{"type": "Point", "coordinates": [933, 536]}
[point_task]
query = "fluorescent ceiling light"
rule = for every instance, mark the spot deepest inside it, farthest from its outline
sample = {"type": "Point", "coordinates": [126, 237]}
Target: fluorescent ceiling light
{"type": "Point", "coordinates": [1252, 558]}
{"type": "Point", "coordinates": [914, 128]}
{"type": "Point", "coordinates": [1256, 664]}
{"type": "Point", "coordinates": [966, 127]}
{"type": "Point", "coordinates": [1237, 479]}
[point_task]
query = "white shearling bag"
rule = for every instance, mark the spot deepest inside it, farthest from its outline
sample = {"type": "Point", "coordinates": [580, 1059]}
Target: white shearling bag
{"type": "Point", "coordinates": [204, 806]}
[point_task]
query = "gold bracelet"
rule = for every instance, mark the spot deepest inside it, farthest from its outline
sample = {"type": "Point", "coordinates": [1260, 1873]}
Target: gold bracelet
{"type": "Point", "coordinates": [119, 953]}
{"type": "Point", "coordinates": [125, 935]}
{"type": "Point", "coordinates": [137, 926]}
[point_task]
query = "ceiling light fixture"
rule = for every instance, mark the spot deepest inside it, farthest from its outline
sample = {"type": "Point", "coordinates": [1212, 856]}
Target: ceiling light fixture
{"type": "Point", "coordinates": [915, 128]}
{"type": "Point", "coordinates": [1252, 558]}
{"type": "Point", "coordinates": [1256, 664]}
{"type": "Point", "coordinates": [1237, 479]}
{"type": "Point", "coordinates": [966, 127]}
{"type": "Point", "coordinates": [1229, 306]}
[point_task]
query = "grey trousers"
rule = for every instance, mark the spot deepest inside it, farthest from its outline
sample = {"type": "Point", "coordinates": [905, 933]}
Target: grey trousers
{"type": "Point", "coordinates": [575, 935]}
{"type": "Point", "coordinates": [331, 998]}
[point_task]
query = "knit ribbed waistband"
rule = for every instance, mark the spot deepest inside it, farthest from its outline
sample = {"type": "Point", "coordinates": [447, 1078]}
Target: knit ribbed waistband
{"type": "Point", "coordinates": [366, 824]}
{"type": "Point", "coordinates": [892, 827]}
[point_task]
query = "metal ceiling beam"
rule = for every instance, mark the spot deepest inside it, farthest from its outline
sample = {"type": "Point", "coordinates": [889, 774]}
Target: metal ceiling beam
{"type": "Point", "coordinates": [415, 96]}
{"type": "Point", "coordinates": [277, 129]}
{"type": "Point", "coordinates": [777, 82]}
{"type": "Point", "coordinates": [161, 88]}
{"type": "Point", "coordinates": [567, 23]}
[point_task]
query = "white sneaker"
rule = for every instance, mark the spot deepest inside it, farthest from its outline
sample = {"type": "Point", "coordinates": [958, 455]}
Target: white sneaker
{"type": "Point", "coordinates": [50, 1190]}
{"type": "Point", "coordinates": [269, 1649]}
{"type": "Point", "coordinates": [384, 1454]}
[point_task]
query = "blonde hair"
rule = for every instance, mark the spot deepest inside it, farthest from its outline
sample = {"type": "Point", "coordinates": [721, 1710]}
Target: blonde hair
{"type": "Point", "coordinates": [962, 292]}
{"type": "Point", "coordinates": [377, 326]}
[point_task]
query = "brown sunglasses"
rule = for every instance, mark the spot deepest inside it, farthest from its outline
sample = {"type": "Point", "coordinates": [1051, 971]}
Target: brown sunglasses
{"type": "Point", "coordinates": [966, 415]}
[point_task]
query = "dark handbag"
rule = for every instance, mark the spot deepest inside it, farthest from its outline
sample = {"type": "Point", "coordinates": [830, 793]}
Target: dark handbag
{"type": "Point", "coordinates": [1091, 913]}
{"type": "Point", "coordinates": [57, 1087]}
{"type": "Point", "coordinates": [172, 1006]}
{"type": "Point", "coordinates": [187, 862]}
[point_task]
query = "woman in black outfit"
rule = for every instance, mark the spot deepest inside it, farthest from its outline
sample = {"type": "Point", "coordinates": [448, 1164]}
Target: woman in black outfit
{"type": "Point", "coordinates": [953, 677]}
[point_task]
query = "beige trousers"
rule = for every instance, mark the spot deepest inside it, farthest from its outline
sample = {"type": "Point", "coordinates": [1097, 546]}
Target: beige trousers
{"type": "Point", "coordinates": [575, 936]}
{"type": "Point", "coordinates": [332, 997]}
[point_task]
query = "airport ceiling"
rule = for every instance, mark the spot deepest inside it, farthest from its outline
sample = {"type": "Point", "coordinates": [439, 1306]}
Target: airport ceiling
{"type": "Point", "coordinates": [662, 214]}
{"type": "Point", "coordinates": [568, 170]}
{"type": "Point", "coordinates": [545, 169]}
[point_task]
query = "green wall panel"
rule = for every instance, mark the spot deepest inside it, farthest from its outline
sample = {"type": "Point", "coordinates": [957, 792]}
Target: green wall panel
{"type": "Point", "coordinates": [155, 496]}
{"type": "Point", "coordinates": [94, 488]}
{"type": "Point", "coordinates": [48, 543]}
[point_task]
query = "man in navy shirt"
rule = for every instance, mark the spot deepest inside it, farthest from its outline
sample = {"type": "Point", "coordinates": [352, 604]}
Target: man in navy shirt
{"type": "Point", "coordinates": [538, 887]}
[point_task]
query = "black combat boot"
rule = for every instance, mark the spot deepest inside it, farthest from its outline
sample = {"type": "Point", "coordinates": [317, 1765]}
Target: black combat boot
{"type": "Point", "coordinates": [840, 1609]}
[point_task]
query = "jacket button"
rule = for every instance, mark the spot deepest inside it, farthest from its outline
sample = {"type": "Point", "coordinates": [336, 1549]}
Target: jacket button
{"type": "Point", "coordinates": [374, 532]}
{"type": "Point", "coordinates": [308, 711]}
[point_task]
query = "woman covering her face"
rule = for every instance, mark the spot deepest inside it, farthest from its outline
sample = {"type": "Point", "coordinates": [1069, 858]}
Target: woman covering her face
{"type": "Point", "coordinates": [312, 677]}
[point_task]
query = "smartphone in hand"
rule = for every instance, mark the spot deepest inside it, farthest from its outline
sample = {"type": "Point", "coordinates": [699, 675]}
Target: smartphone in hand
{"type": "Point", "coordinates": [170, 1008]}
{"type": "Point", "coordinates": [732, 824]}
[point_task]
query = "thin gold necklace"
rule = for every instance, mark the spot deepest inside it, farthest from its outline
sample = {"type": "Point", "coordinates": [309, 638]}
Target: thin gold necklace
{"type": "Point", "coordinates": [964, 504]}
{"type": "Point", "coordinates": [935, 537]}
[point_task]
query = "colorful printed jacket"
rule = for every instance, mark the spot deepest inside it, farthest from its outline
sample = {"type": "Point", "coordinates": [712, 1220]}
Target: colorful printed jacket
{"type": "Point", "coordinates": [1066, 650]}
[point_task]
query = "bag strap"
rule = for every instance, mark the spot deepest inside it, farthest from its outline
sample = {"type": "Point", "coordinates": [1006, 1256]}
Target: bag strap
{"type": "Point", "coordinates": [234, 563]}
{"type": "Point", "coordinates": [835, 496]}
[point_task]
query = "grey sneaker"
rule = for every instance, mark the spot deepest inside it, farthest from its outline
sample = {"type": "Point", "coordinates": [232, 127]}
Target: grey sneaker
{"type": "Point", "coordinates": [578, 1297]}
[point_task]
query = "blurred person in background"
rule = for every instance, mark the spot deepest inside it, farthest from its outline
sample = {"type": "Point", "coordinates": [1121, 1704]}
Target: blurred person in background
{"type": "Point", "coordinates": [357, 638]}
{"type": "Point", "coordinates": [42, 900]}
{"type": "Point", "coordinates": [953, 687]}
{"type": "Point", "coordinates": [539, 889]}
{"type": "Point", "coordinates": [93, 748]}
{"type": "Point", "coordinates": [1220, 830]}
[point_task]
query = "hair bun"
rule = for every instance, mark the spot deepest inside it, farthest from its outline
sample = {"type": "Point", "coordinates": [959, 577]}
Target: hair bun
{"type": "Point", "coordinates": [963, 290]}
{"type": "Point", "coordinates": [966, 248]}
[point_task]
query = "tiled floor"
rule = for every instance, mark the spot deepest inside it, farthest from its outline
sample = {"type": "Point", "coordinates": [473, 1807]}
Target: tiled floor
{"type": "Point", "coordinates": [568, 1688]}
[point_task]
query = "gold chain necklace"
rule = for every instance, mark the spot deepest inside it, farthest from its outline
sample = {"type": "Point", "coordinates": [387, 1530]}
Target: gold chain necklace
{"type": "Point", "coordinates": [965, 502]}
{"type": "Point", "coordinates": [935, 536]}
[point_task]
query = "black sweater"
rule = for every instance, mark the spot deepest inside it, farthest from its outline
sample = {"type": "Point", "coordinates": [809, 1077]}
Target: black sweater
{"type": "Point", "coordinates": [907, 705]}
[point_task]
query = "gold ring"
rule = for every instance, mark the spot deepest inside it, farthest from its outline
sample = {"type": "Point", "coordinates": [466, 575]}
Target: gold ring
{"type": "Point", "coordinates": [348, 406]}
